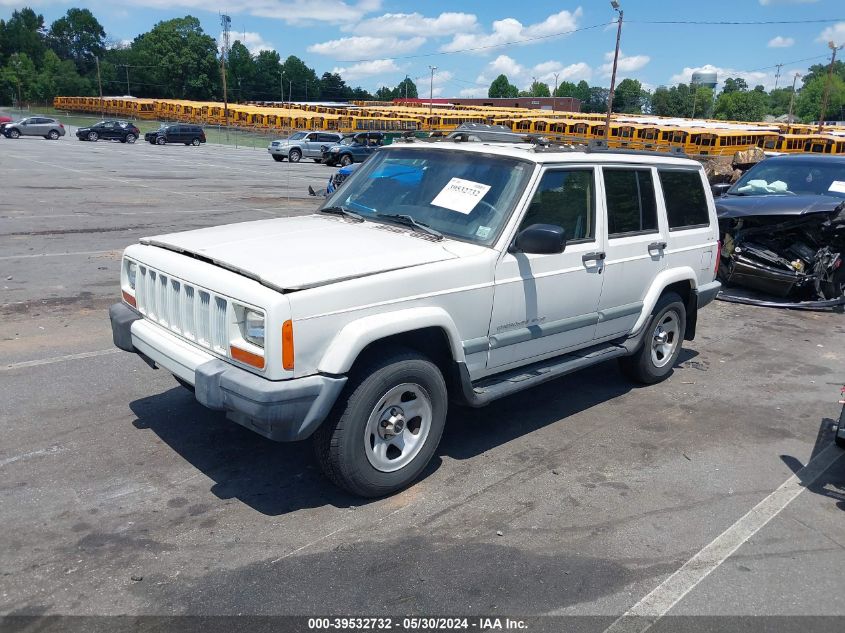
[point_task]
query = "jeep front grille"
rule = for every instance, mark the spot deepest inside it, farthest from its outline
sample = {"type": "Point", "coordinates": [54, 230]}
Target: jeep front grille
{"type": "Point", "coordinates": [196, 314]}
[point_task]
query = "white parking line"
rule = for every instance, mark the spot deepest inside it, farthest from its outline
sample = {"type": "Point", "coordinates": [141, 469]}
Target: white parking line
{"type": "Point", "coordinates": [645, 613]}
{"type": "Point", "coordinates": [59, 359]}
{"type": "Point", "coordinates": [33, 255]}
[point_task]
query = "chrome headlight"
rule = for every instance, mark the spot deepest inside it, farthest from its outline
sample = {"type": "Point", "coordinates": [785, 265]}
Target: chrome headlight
{"type": "Point", "coordinates": [253, 327]}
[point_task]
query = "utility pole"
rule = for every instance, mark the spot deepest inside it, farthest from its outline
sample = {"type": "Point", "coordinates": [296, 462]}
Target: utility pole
{"type": "Point", "coordinates": [616, 8]}
{"type": "Point", "coordinates": [406, 87]}
{"type": "Point", "coordinates": [792, 99]}
{"type": "Point", "coordinates": [128, 92]}
{"type": "Point", "coordinates": [226, 23]}
{"type": "Point", "coordinates": [100, 85]}
{"type": "Point", "coordinates": [306, 89]}
{"type": "Point", "coordinates": [290, 89]}
{"type": "Point", "coordinates": [777, 75]}
{"type": "Point", "coordinates": [431, 91]}
{"type": "Point", "coordinates": [554, 94]}
{"type": "Point", "coordinates": [281, 85]}
{"type": "Point", "coordinates": [833, 47]}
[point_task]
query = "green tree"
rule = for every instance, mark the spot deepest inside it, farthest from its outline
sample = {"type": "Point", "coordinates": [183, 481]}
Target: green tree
{"type": "Point", "coordinates": [333, 88]}
{"type": "Point", "coordinates": [779, 101]}
{"type": "Point", "coordinates": [502, 88]}
{"type": "Point", "coordinates": [18, 78]}
{"type": "Point", "coordinates": [734, 85]}
{"type": "Point", "coordinates": [240, 69]}
{"type": "Point", "coordinates": [821, 70]}
{"type": "Point", "coordinates": [22, 35]}
{"type": "Point", "coordinates": [742, 106]}
{"type": "Point", "coordinates": [59, 77]}
{"type": "Point", "coordinates": [302, 80]}
{"type": "Point", "coordinates": [596, 100]}
{"type": "Point", "coordinates": [384, 94]}
{"type": "Point", "coordinates": [78, 36]}
{"type": "Point", "coordinates": [539, 89]}
{"type": "Point", "coordinates": [629, 97]}
{"type": "Point", "coordinates": [268, 68]}
{"type": "Point", "coordinates": [566, 89]}
{"type": "Point", "coordinates": [175, 59]}
{"type": "Point", "coordinates": [406, 88]}
{"type": "Point", "coordinates": [809, 101]}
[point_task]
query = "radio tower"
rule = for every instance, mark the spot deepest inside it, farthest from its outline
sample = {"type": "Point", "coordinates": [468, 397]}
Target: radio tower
{"type": "Point", "coordinates": [226, 23]}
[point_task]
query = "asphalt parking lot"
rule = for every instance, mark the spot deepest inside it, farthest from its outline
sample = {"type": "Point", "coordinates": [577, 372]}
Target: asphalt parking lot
{"type": "Point", "coordinates": [119, 494]}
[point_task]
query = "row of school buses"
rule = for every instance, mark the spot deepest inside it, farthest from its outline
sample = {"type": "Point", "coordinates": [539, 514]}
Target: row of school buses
{"type": "Point", "coordinates": [693, 137]}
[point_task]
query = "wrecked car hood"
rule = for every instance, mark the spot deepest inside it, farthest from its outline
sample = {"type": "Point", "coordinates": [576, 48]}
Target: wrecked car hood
{"type": "Point", "coordinates": [305, 252]}
{"type": "Point", "coordinates": [785, 205]}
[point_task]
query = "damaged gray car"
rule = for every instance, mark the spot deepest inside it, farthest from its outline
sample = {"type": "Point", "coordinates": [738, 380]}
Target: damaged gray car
{"type": "Point", "coordinates": [783, 233]}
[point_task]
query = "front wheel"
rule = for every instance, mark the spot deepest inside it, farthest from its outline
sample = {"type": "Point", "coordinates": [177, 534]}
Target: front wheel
{"type": "Point", "coordinates": [294, 155]}
{"type": "Point", "coordinates": [387, 425]}
{"type": "Point", "coordinates": [93, 136]}
{"type": "Point", "coordinates": [662, 343]}
{"type": "Point", "coordinates": [346, 160]}
{"type": "Point", "coordinates": [277, 158]}
{"type": "Point", "coordinates": [14, 134]}
{"type": "Point", "coordinates": [161, 140]}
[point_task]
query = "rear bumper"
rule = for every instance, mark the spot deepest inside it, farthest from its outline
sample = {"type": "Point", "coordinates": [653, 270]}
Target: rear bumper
{"type": "Point", "coordinates": [284, 411]}
{"type": "Point", "coordinates": [706, 293]}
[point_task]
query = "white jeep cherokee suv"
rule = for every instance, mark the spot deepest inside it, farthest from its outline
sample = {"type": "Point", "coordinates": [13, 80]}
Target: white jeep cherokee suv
{"type": "Point", "coordinates": [438, 272]}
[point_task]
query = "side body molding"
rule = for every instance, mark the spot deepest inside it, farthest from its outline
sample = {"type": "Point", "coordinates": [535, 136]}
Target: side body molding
{"type": "Point", "coordinates": [355, 336]}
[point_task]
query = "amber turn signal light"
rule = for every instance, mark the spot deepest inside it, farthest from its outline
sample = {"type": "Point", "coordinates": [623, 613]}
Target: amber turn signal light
{"type": "Point", "coordinates": [128, 298]}
{"type": "Point", "coordinates": [287, 345]}
{"type": "Point", "coordinates": [246, 357]}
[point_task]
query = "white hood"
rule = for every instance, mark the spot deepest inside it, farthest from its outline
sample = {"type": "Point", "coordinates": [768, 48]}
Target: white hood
{"type": "Point", "coordinates": [308, 251]}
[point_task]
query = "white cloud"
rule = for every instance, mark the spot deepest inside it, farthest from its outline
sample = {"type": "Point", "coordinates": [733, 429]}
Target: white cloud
{"type": "Point", "coordinates": [522, 76]}
{"type": "Point", "coordinates": [358, 47]}
{"type": "Point", "coordinates": [473, 93]}
{"type": "Point", "coordinates": [752, 78]}
{"type": "Point", "coordinates": [367, 69]}
{"type": "Point", "coordinates": [512, 30]}
{"type": "Point", "coordinates": [253, 41]}
{"type": "Point", "coordinates": [781, 42]}
{"type": "Point", "coordinates": [393, 24]}
{"type": "Point", "coordinates": [835, 34]}
{"type": "Point", "coordinates": [625, 63]}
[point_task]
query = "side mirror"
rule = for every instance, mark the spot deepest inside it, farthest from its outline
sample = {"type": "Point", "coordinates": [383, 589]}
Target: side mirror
{"type": "Point", "coordinates": [720, 189]}
{"type": "Point", "coordinates": [541, 239]}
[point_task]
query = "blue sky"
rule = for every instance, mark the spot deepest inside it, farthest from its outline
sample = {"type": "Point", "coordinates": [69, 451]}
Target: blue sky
{"type": "Point", "coordinates": [379, 42]}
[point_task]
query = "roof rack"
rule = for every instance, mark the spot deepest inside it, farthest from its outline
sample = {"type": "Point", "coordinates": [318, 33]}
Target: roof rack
{"type": "Point", "coordinates": [600, 145]}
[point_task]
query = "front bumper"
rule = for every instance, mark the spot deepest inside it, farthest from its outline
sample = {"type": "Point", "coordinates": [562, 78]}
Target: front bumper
{"type": "Point", "coordinates": [279, 150]}
{"type": "Point", "coordinates": [284, 410]}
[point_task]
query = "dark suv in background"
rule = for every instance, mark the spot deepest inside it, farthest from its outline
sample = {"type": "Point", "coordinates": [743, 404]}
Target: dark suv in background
{"type": "Point", "coordinates": [176, 133]}
{"type": "Point", "coordinates": [109, 130]}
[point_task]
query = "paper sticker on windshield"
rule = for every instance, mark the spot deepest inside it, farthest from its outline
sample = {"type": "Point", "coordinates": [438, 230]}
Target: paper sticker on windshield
{"type": "Point", "coordinates": [483, 232]}
{"type": "Point", "coordinates": [460, 195]}
{"type": "Point", "coordinates": [838, 186]}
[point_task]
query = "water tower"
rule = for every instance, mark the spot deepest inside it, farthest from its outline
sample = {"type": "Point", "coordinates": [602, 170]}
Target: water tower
{"type": "Point", "coordinates": [704, 78]}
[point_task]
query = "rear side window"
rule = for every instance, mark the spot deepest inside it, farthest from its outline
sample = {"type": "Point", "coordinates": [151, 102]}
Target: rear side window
{"type": "Point", "coordinates": [565, 198]}
{"type": "Point", "coordinates": [686, 202]}
{"type": "Point", "coordinates": [631, 205]}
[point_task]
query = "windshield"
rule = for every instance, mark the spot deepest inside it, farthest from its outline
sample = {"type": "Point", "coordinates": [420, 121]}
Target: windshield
{"type": "Point", "coordinates": [796, 177]}
{"type": "Point", "coordinates": [464, 195]}
{"type": "Point", "coordinates": [347, 141]}
{"type": "Point", "coordinates": [297, 136]}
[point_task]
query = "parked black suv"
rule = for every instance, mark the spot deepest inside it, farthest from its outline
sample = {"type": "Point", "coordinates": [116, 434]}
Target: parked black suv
{"type": "Point", "coordinates": [109, 130]}
{"type": "Point", "coordinates": [177, 133]}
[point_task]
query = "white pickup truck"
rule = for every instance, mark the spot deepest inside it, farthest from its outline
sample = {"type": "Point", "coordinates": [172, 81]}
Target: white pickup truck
{"type": "Point", "coordinates": [437, 273]}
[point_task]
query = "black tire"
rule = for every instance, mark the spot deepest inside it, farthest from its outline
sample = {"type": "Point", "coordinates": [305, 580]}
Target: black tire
{"type": "Point", "coordinates": [294, 155]}
{"type": "Point", "coordinates": [641, 366]}
{"type": "Point", "coordinates": [93, 136]}
{"type": "Point", "coordinates": [195, 142]}
{"type": "Point", "coordinates": [346, 160]}
{"type": "Point", "coordinates": [277, 158]}
{"type": "Point", "coordinates": [340, 442]}
{"type": "Point", "coordinates": [130, 138]}
{"type": "Point", "coordinates": [318, 160]}
{"type": "Point", "coordinates": [13, 133]}
{"type": "Point", "coordinates": [53, 135]}
{"type": "Point", "coordinates": [160, 140]}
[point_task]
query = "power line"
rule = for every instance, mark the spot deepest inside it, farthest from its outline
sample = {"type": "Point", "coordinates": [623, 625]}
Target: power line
{"type": "Point", "coordinates": [475, 48]}
{"type": "Point", "coordinates": [735, 22]}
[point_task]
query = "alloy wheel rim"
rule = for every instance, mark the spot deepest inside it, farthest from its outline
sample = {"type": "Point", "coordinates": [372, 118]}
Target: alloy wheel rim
{"type": "Point", "coordinates": [398, 427]}
{"type": "Point", "coordinates": [664, 339]}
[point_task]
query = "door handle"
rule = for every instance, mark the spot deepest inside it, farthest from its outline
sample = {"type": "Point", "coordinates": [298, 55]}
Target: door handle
{"type": "Point", "coordinates": [656, 246]}
{"type": "Point", "coordinates": [589, 257]}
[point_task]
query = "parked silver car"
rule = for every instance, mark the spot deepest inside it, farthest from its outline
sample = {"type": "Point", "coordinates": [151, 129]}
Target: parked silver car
{"type": "Point", "coordinates": [302, 145]}
{"type": "Point", "coordinates": [35, 126]}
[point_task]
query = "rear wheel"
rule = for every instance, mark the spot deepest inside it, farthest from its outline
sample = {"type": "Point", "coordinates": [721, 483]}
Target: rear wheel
{"type": "Point", "coordinates": [346, 160]}
{"type": "Point", "coordinates": [195, 142]}
{"type": "Point", "coordinates": [386, 427]}
{"type": "Point", "coordinates": [277, 158]}
{"type": "Point", "coordinates": [662, 343]}
{"type": "Point", "coordinates": [294, 155]}
{"type": "Point", "coordinates": [93, 136]}
{"type": "Point", "coordinates": [129, 138]}
{"type": "Point", "coordinates": [53, 135]}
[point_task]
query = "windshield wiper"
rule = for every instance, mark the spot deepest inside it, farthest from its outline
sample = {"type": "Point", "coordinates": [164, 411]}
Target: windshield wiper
{"type": "Point", "coordinates": [338, 210]}
{"type": "Point", "coordinates": [407, 220]}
